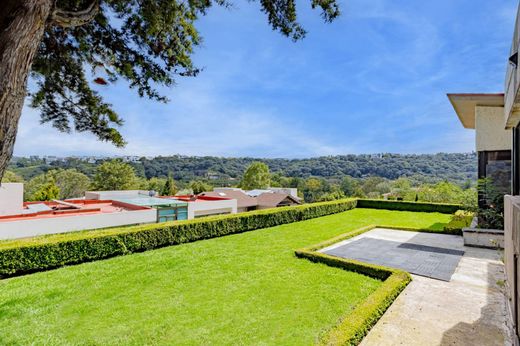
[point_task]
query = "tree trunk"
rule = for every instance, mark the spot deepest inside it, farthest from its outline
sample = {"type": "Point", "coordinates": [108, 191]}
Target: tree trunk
{"type": "Point", "coordinates": [22, 23]}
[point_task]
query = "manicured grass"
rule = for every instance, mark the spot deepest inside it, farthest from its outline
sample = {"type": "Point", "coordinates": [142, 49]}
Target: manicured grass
{"type": "Point", "coordinates": [240, 289]}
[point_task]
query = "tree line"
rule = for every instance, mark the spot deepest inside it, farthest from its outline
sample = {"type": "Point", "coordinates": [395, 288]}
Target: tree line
{"type": "Point", "coordinates": [426, 168]}
{"type": "Point", "coordinates": [65, 183]}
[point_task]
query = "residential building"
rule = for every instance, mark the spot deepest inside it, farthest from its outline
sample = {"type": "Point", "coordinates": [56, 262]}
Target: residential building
{"type": "Point", "coordinates": [200, 206]}
{"type": "Point", "coordinates": [496, 120]}
{"type": "Point", "coordinates": [244, 202]}
{"type": "Point", "coordinates": [99, 209]}
{"type": "Point", "coordinates": [269, 200]}
{"type": "Point", "coordinates": [257, 199]}
{"type": "Point", "coordinates": [171, 208]}
{"type": "Point", "coordinates": [485, 114]}
{"type": "Point", "coordinates": [168, 209]}
{"type": "Point", "coordinates": [40, 218]}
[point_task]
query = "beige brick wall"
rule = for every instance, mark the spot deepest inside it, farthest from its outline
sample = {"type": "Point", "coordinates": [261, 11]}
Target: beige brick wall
{"type": "Point", "coordinates": [490, 129]}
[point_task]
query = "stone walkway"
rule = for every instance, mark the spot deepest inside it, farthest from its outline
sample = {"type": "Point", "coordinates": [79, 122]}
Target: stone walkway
{"type": "Point", "coordinates": [468, 310]}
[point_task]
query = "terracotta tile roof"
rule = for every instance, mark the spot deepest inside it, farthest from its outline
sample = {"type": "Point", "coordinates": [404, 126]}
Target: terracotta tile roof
{"type": "Point", "coordinates": [272, 200]}
{"type": "Point", "coordinates": [243, 200]}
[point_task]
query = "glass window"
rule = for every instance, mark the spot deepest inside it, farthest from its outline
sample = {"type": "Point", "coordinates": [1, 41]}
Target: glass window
{"type": "Point", "coordinates": [182, 213]}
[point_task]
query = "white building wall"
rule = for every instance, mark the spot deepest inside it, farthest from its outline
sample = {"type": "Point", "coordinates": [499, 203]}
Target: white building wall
{"type": "Point", "coordinates": [11, 198]}
{"type": "Point", "coordinates": [490, 130]}
{"type": "Point", "coordinates": [288, 190]}
{"type": "Point", "coordinates": [108, 195]}
{"type": "Point", "coordinates": [206, 208]}
{"type": "Point", "coordinates": [40, 226]}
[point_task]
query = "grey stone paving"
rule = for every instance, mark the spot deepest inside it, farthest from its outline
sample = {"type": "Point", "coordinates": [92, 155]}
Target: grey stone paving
{"type": "Point", "coordinates": [430, 261]}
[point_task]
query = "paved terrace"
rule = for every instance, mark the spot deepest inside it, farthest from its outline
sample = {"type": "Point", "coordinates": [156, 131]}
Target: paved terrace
{"type": "Point", "coordinates": [469, 309]}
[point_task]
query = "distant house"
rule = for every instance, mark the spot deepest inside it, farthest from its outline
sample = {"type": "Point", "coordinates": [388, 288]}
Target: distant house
{"type": "Point", "coordinates": [99, 209]}
{"type": "Point", "coordinates": [171, 208]}
{"type": "Point", "coordinates": [257, 199]}
{"type": "Point", "coordinates": [244, 202]}
{"type": "Point", "coordinates": [274, 200]}
{"type": "Point", "coordinates": [19, 219]}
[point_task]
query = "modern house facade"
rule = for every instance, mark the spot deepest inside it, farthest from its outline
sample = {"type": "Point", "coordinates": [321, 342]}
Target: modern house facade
{"type": "Point", "coordinates": [168, 209]}
{"type": "Point", "coordinates": [41, 218]}
{"type": "Point", "coordinates": [496, 119]}
{"type": "Point", "coordinates": [99, 209]}
{"type": "Point", "coordinates": [493, 142]}
{"type": "Point", "coordinates": [201, 206]}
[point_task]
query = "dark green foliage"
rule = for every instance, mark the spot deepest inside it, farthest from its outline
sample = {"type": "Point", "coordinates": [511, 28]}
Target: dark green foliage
{"type": "Point", "coordinates": [36, 256]}
{"type": "Point", "coordinates": [47, 191]}
{"type": "Point", "coordinates": [169, 189]}
{"type": "Point", "coordinates": [408, 206]}
{"type": "Point", "coordinates": [348, 186]}
{"type": "Point", "coordinates": [420, 168]}
{"type": "Point", "coordinates": [114, 175]}
{"type": "Point", "coordinates": [491, 212]}
{"type": "Point", "coordinates": [256, 176]}
{"type": "Point", "coordinates": [198, 186]}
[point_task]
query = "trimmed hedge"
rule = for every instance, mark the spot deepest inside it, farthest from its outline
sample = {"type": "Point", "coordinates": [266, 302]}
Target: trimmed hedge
{"type": "Point", "coordinates": [45, 253]}
{"type": "Point", "coordinates": [353, 327]}
{"type": "Point", "coordinates": [408, 206]}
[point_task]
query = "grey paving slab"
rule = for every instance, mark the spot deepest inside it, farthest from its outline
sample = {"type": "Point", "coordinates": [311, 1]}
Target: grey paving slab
{"type": "Point", "coordinates": [430, 261]}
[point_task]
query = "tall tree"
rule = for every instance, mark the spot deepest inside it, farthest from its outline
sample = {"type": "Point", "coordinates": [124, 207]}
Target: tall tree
{"type": "Point", "coordinates": [198, 186]}
{"type": "Point", "coordinates": [47, 191]}
{"type": "Point", "coordinates": [348, 185]}
{"type": "Point", "coordinates": [115, 175]}
{"type": "Point", "coordinates": [169, 189]}
{"type": "Point", "coordinates": [71, 183]}
{"type": "Point", "coordinates": [257, 176]}
{"type": "Point", "coordinates": [145, 42]}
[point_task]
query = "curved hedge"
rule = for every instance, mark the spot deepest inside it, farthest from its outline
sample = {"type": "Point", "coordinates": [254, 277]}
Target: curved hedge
{"type": "Point", "coordinates": [25, 256]}
{"type": "Point", "coordinates": [408, 206]}
{"type": "Point", "coordinates": [352, 328]}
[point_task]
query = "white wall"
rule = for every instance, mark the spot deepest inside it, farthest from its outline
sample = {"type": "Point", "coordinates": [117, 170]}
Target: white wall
{"type": "Point", "coordinates": [206, 208]}
{"type": "Point", "coordinates": [39, 226]}
{"type": "Point", "coordinates": [107, 195]}
{"type": "Point", "coordinates": [490, 131]}
{"type": "Point", "coordinates": [11, 198]}
{"type": "Point", "coordinates": [288, 190]}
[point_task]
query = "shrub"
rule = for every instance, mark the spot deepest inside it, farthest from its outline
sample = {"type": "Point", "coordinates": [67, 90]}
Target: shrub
{"type": "Point", "coordinates": [460, 220]}
{"type": "Point", "coordinates": [51, 252]}
{"type": "Point", "coordinates": [408, 206]}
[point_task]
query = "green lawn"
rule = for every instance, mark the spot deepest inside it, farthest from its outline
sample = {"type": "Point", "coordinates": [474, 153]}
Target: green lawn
{"type": "Point", "coordinates": [246, 288]}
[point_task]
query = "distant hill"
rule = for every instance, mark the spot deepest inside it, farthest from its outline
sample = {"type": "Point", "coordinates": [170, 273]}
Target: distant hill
{"type": "Point", "coordinates": [455, 167]}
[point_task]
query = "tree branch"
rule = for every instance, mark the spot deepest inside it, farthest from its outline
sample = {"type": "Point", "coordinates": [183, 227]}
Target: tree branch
{"type": "Point", "coordinates": [68, 19]}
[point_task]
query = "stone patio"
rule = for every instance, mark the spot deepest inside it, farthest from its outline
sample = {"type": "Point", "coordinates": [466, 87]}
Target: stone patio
{"type": "Point", "coordinates": [467, 310]}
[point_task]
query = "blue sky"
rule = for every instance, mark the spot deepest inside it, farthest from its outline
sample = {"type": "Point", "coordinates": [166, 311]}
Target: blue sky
{"type": "Point", "coordinates": [375, 80]}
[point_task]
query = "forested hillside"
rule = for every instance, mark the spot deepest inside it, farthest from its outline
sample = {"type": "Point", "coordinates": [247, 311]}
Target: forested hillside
{"type": "Point", "coordinates": [457, 168]}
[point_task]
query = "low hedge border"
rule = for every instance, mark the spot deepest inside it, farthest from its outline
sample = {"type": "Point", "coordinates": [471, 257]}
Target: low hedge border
{"type": "Point", "coordinates": [38, 254]}
{"type": "Point", "coordinates": [355, 326]}
{"type": "Point", "coordinates": [408, 206]}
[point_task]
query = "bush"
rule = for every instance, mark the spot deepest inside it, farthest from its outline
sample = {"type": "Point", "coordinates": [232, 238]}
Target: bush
{"type": "Point", "coordinates": [50, 252]}
{"type": "Point", "coordinates": [460, 220]}
{"type": "Point", "coordinates": [408, 206]}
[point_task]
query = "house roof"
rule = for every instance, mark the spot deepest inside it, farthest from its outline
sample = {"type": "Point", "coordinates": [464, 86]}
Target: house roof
{"type": "Point", "coordinates": [73, 207]}
{"type": "Point", "coordinates": [199, 198]}
{"type": "Point", "coordinates": [270, 199]}
{"type": "Point", "coordinates": [243, 200]}
{"type": "Point", "coordinates": [464, 105]}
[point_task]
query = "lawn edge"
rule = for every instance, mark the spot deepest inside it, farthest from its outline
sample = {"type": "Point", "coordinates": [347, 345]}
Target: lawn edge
{"type": "Point", "coordinates": [356, 324]}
